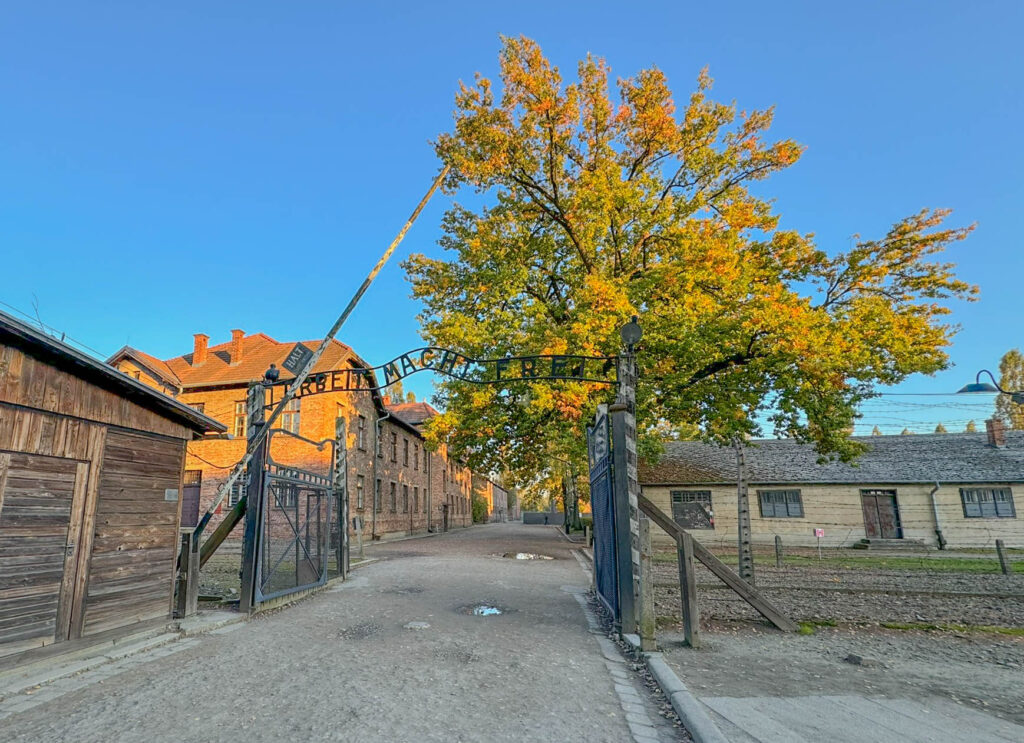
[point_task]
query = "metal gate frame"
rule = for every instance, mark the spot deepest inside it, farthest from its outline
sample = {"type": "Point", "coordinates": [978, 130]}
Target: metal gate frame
{"type": "Point", "coordinates": [602, 504]}
{"type": "Point", "coordinates": [314, 486]}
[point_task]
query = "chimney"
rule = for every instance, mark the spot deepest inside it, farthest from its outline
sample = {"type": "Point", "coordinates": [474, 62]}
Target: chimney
{"type": "Point", "coordinates": [996, 432]}
{"type": "Point", "coordinates": [200, 342]}
{"type": "Point", "coordinates": [236, 346]}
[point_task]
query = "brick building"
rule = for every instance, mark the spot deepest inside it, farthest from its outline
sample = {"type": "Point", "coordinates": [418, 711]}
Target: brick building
{"type": "Point", "coordinates": [395, 485]}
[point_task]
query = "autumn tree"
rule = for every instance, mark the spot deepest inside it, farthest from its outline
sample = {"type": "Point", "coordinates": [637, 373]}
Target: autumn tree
{"type": "Point", "coordinates": [876, 431]}
{"type": "Point", "coordinates": [906, 432]}
{"type": "Point", "coordinates": [1011, 377]}
{"type": "Point", "coordinates": [971, 427]}
{"type": "Point", "coordinates": [941, 429]}
{"type": "Point", "coordinates": [590, 200]}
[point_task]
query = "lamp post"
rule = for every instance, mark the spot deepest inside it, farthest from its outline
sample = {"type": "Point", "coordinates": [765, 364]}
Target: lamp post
{"type": "Point", "coordinates": [978, 386]}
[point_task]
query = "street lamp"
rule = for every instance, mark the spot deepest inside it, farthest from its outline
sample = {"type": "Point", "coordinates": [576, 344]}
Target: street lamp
{"type": "Point", "coordinates": [631, 333]}
{"type": "Point", "coordinates": [979, 386]}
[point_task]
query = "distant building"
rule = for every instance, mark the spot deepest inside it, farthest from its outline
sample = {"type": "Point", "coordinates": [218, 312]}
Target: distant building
{"type": "Point", "coordinates": [395, 485]}
{"type": "Point", "coordinates": [904, 489]}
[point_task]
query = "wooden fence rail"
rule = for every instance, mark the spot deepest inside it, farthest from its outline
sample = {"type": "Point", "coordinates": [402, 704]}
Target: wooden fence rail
{"type": "Point", "coordinates": [722, 571]}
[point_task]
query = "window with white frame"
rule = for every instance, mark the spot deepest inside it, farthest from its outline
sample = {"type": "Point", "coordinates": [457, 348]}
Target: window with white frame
{"type": "Point", "coordinates": [988, 503]}
{"type": "Point", "coordinates": [361, 432]}
{"type": "Point", "coordinates": [290, 415]}
{"type": "Point", "coordinates": [359, 491]}
{"type": "Point", "coordinates": [238, 425]}
{"type": "Point", "coordinates": [236, 493]}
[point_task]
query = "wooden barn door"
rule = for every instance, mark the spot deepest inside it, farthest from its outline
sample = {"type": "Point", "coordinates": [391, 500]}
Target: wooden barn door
{"type": "Point", "coordinates": [42, 501]}
{"type": "Point", "coordinates": [881, 515]}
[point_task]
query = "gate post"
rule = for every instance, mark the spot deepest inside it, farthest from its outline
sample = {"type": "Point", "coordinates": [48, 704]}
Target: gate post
{"type": "Point", "coordinates": [254, 496]}
{"type": "Point", "coordinates": [627, 486]}
{"type": "Point", "coordinates": [341, 495]}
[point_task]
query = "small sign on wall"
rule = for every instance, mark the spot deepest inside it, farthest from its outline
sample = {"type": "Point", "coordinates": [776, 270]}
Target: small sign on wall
{"type": "Point", "coordinates": [819, 533]}
{"type": "Point", "coordinates": [171, 494]}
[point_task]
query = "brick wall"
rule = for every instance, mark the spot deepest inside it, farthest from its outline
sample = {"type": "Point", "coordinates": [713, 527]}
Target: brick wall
{"type": "Point", "coordinates": [424, 482]}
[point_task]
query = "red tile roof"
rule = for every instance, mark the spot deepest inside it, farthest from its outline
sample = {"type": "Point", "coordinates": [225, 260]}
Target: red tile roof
{"type": "Point", "coordinates": [414, 413]}
{"type": "Point", "coordinates": [259, 351]}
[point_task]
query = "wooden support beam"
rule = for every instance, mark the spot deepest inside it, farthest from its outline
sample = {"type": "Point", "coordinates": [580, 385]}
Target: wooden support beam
{"type": "Point", "coordinates": [688, 590]}
{"type": "Point", "coordinates": [745, 591]}
{"type": "Point", "coordinates": [221, 532]}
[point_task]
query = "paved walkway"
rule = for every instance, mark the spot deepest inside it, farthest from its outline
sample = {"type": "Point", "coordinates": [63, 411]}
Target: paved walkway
{"type": "Point", "coordinates": [768, 687]}
{"type": "Point", "coordinates": [394, 654]}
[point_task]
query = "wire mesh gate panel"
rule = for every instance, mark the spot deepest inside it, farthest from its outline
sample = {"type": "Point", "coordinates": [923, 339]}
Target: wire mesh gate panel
{"type": "Point", "coordinates": [293, 545]}
{"type": "Point", "coordinates": [602, 504]}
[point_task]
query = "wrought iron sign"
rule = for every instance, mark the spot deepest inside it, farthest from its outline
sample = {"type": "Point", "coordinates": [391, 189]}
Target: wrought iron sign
{"type": "Point", "coordinates": [551, 367]}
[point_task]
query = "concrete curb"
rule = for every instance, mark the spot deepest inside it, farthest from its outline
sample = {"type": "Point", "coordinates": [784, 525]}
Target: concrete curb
{"type": "Point", "coordinates": [695, 718]}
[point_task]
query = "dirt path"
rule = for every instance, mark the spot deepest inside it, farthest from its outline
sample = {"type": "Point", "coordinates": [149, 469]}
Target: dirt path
{"type": "Point", "coordinates": [352, 664]}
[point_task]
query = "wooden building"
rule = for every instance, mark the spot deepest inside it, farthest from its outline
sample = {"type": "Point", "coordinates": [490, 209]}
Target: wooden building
{"type": "Point", "coordinates": [91, 466]}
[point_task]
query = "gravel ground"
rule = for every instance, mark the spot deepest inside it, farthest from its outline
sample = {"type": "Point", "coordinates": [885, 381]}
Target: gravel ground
{"type": "Point", "coordinates": [393, 654]}
{"type": "Point", "coordinates": [857, 596]}
{"type": "Point", "coordinates": [742, 660]}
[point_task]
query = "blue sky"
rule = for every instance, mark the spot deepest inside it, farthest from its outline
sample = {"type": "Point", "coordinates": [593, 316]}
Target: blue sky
{"type": "Point", "coordinates": [171, 168]}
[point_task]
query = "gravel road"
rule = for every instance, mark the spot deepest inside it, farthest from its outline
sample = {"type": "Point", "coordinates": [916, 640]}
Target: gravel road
{"type": "Point", "coordinates": [859, 596]}
{"type": "Point", "coordinates": [393, 654]}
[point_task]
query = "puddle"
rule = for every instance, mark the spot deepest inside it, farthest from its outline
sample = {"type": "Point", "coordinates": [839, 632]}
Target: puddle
{"type": "Point", "coordinates": [526, 556]}
{"type": "Point", "coordinates": [486, 611]}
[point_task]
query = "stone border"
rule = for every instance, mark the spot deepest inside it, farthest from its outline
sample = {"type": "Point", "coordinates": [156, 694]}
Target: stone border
{"type": "Point", "coordinates": [695, 718]}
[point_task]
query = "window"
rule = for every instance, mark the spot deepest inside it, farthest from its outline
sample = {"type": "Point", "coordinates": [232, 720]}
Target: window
{"type": "Point", "coordinates": [394, 446]}
{"type": "Point", "coordinates": [286, 495]}
{"type": "Point", "coordinates": [237, 491]}
{"type": "Point", "coordinates": [781, 504]}
{"type": "Point", "coordinates": [290, 416]}
{"type": "Point", "coordinates": [405, 499]}
{"type": "Point", "coordinates": [416, 457]}
{"type": "Point", "coordinates": [238, 428]}
{"type": "Point", "coordinates": [405, 452]}
{"type": "Point", "coordinates": [690, 516]}
{"type": "Point", "coordinates": [394, 498]}
{"type": "Point", "coordinates": [199, 407]}
{"type": "Point", "coordinates": [377, 505]}
{"type": "Point", "coordinates": [988, 503]}
{"type": "Point", "coordinates": [415, 500]}
{"type": "Point", "coordinates": [380, 443]}
{"type": "Point", "coordinates": [359, 491]}
{"type": "Point", "coordinates": [361, 432]}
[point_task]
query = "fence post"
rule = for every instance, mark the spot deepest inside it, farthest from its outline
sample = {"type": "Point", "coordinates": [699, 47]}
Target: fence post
{"type": "Point", "coordinates": [1004, 563]}
{"type": "Point", "coordinates": [188, 577]}
{"type": "Point", "coordinates": [647, 621]}
{"type": "Point", "coordinates": [688, 591]}
{"type": "Point", "coordinates": [778, 551]}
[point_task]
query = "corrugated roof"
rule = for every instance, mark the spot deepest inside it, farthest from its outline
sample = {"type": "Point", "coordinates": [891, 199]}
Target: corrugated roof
{"type": "Point", "coordinates": [949, 457]}
{"type": "Point", "coordinates": [413, 413]}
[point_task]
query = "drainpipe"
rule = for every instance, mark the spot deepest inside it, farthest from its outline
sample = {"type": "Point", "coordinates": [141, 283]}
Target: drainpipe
{"type": "Point", "coordinates": [426, 469]}
{"type": "Point", "coordinates": [935, 510]}
{"type": "Point", "coordinates": [377, 451]}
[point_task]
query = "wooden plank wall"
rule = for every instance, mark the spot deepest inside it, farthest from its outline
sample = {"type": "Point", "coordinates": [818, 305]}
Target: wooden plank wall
{"type": "Point", "coordinates": [33, 383]}
{"type": "Point", "coordinates": [131, 574]}
{"type": "Point", "coordinates": [37, 495]}
{"type": "Point", "coordinates": [77, 471]}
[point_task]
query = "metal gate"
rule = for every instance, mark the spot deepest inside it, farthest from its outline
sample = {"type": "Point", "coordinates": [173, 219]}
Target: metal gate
{"type": "Point", "coordinates": [293, 549]}
{"type": "Point", "coordinates": [602, 503]}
